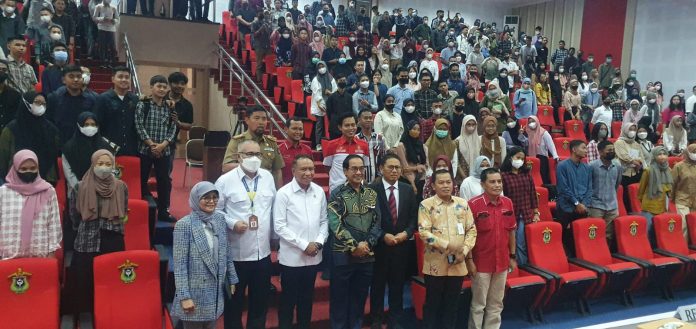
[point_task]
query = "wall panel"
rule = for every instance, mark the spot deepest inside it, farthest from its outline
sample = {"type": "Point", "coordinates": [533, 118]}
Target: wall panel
{"type": "Point", "coordinates": [561, 20]}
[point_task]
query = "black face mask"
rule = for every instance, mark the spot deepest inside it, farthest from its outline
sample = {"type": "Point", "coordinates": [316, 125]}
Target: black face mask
{"type": "Point", "coordinates": [28, 177]}
{"type": "Point", "coordinates": [389, 106]}
{"type": "Point", "coordinates": [403, 81]}
{"type": "Point", "coordinates": [610, 156]}
{"type": "Point", "coordinates": [341, 84]}
{"type": "Point", "coordinates": [459, 108]}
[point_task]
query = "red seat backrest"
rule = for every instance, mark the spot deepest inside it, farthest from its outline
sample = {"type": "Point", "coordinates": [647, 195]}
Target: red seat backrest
{"type": "Point", "coordinates": [534, 165]}
{"type": "Point", "coordinates": [420, 253]}
{"type": "Point", "coordinates": [544, 209]}
{"type": "Point", "coordinates": [620, 201]}
{"type": "Point", "coordinates": [574, 130]}
{"type": "Point", "coordinates": [122, 301]}
{"type": "Point", "coordinates": [545, 115]}
{"type": "Point", "coordinates": [137, 228]}
{"type": "Point", "coordinates": [342, 41]}
{"type": "Point", "coordinates": [545, 246]}
{"type": "Point", "coordinates": [633, 196]}
{"type": "Point", "coordinates": [668, 233]}
{"type": "Point", "coordinates": [632, 236]}
{"type": "Point", "coordinates": [297, 93]}
{"type": "Point", "coordinates": [562, 146]}
{"type": "Point", "coordinates": [38, 305]}
{"type": "Point", "coordinates": [674, 160]}
{"type": "Point", "coordinates": [269, 63]}
{"type": "Point", "coordinates": [591, 241]}
{"type": "Point", "coordinates": [561, 115]}
{"type": "Point", "coordinates": [284, 76]}
{"type": "Point", "coordinates": [616, 129]}
{"type": "Point", "coordinates": [129, 172]}
{"type": "Point", "coordinates": [61, 188]}
{"type": "Point", "coordinates": [691, 225]}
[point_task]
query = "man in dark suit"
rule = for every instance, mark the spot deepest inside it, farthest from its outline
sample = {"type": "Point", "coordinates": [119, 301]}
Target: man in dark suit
{"type": "Point", "coordinates": [399, 207]}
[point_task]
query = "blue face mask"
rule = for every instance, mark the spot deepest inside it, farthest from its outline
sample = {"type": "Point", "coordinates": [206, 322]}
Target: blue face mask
{"type": "Point", "coordinates": [60, 56]}
{"type": "Point", "coordinates": [441, 133]}
{"type": "Point", "coordinates": [341, 61]}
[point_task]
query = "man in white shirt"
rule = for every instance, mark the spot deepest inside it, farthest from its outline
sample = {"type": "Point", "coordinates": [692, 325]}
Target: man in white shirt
{"type": "Point", "coordinates": [246, 199]}
{"type": "Point", "coordinates": [300, 220]}
{"type": "Point", "coordinates": [604, 114]}
{"type": "Point", "coordinates": [691, 101]}
{"type": "Point", "coordinates": [511, 67]}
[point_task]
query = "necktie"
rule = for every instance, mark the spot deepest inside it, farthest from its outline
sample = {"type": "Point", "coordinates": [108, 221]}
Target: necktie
{"type": "Point", "coordinates": [392, 205]}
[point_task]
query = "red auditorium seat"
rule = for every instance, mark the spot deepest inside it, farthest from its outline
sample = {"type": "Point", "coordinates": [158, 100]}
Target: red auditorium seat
{"type": "Point", "coordinates": [30, 292]}
{"type": "Point", "coordinates": [567, 280]}
{"type": "Point", "coordinates": [562, 146]}
{"type": "Point", "coordinates": [123, 300]}
{"type": "Point", "coordinates": [670, 239]}
{"type": "Point", "coordinates": [674, 160]}
{"type": "Point", "coordinates": [633, 246]}
{"type": "Point", "coordinates": [633, 196]}
{"type": "Point", "coordinates": [691, 225]}
{"type": "Point", "coordinates": [545, 207]}
{"type": "Point", "coordinates": [534, 165]}
{"type": "Point", "coordinates": [284, 78]}
{"type": "Point", "coordinates": [616, 129]}
{"type": "Point", "coordinates": [137, 231]}
{"type": "Point", "coordinates": [524, 289]}
{"type": "Point", "coordinates": [620, 201]}
{"type": "Point", "coordinates": [574, 130]}
{"type": "Point", "coordinates": [545, 115]}
{"type": "Point", "coordinates": [615, 275]}
{"type": "Point", "coordinates": [561, 115]}
{"type": "Point", "coordinates": [296, 97]}
{"type": "Point", "coordinates": [61, 187]}
{"type": "Point", "coordinates": [128, 168]}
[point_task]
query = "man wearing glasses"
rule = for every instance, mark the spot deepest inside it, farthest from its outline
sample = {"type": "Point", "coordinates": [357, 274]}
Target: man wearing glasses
{"type": "Point", "coordinates": [246, 198]}
{"type": "Point", "coordinates": [355, 229]}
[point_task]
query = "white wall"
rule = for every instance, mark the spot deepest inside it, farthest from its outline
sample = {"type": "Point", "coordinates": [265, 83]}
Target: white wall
{"type": "Point", "coordinates": [663, 44]}
{"type": "Point", "coordinates": [470, 10]}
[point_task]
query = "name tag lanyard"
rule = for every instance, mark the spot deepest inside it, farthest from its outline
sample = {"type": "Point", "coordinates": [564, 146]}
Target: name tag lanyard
{"type": "Point", "coordinates": [251, 194]}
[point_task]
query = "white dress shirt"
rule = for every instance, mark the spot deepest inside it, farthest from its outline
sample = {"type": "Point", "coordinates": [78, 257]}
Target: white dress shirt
{"type": "Point", "coordinates": [391, 126]}
{"type": "Point", "coordinates": [690, 102]}
{"type": "Point", "coordinates": [234, 202]}
{"type": "Point", "coordinates": [470, 188]}
{"type": "Point", "coordinates": [300, 218]}
{"type": "Point", "coordinates": [388, 192]}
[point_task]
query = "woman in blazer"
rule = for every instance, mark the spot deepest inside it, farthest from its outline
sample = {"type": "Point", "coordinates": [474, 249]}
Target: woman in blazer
{"type": "Point", "coordinates": [203, 269]}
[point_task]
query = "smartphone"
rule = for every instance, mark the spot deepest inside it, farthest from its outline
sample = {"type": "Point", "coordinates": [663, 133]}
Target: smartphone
{"type": "Point", "coordinates": [450, 259]}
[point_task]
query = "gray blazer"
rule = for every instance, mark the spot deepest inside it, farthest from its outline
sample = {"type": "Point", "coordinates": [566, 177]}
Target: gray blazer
{"type": "Point", "coordinates": [196, 275]}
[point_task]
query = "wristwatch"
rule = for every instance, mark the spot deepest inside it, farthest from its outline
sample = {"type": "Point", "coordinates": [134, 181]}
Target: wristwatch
{"type": "Point", "coordinates": [513, 256]}
{"type": "Point", "coordinates": [576, 203]}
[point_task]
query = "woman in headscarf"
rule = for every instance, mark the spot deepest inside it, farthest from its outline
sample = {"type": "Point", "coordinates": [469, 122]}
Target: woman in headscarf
{"type": "Point", "coordinates": [283, 48]}
{"type": "Point", "coordinates": [655, 185]}
{"type": "Point", "coordinates": [675, 136]}
{"type": "Point", "coordinates": [323, 85]}
{"type": "Point", "coordinates": [389, 124]}
{"type": "Point", "coordinates": [629, 153]}
{"type": "Point", "coordinates": [441, 162]}
{"type": "Point", "coordinates": [652, 110]}
{"type": "Point", "coordinates": [541, 146]}
{"type": "Point", "coordinates": [515, 135]}
{"type": "Point", "coordinates": [31, 130]}
{"type": "Point", "coordinates": [499, 103]}
{"type": "Point", "coordinates": [469, 142]}
{"type": "Point", "coordinates": [441, 143]}
{"type": "Point", "coordinates": [471, 106]}
{"type": "Point", "coordinates": [102, 203]}
{"type": "Point", "coordinates": [414, 155]}
{"type": "Point", "coordinates": [409, 112]}
{"type": "Point", "coordinates": [29, 220]}
{"type": "Point", "coordinates": [198, 237]}
{"type": "Point", "coordinates": [492, 146]}
{"type": "Point", "coordinates": [317, 43]}
{"type": "Point", "coordinates": [471, 186]}
{"type": "Point", "coordinates": [660, 94]}
{"type": "Point", "coordinates": [644, 138]}
{"type": "Point", "coordinates": [502, 81]}
{"type": "Point", "coordinates": [518, 185]}
{"type": "Point", "coordinates": [289, 24]}
{"type": "Point", "coordinates": [556, 95]}
{"type": "Point", "coordinates": [484, 112]}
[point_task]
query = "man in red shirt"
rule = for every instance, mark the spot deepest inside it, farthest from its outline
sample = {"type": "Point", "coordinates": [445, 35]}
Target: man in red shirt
{"type": "Point", "coordinates": [292, 147]}
{"type": "Point", "coordinates": [336, 150]}
{"type": "Point", "coordinates": [494, 253]}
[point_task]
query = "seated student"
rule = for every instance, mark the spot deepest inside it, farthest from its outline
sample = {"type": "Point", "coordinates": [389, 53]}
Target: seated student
{"type": "Point", "coordinates": [338, 149]}
{"type": "Point", "coordinates": [52, 77]}
{"type": "Point", "coordinates": [29, 220]}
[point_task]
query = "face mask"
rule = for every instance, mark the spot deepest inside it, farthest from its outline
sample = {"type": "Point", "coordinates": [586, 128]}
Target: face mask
{"type": "Point", "coordinates": [680, 94]}
{"type": "Point", "coordinates": [251, 164]}
{"type": "Point", "coordinates": [322, 70]}
{"type": "Point", "coordinates": [86, 78]}
{"type": "Point", "coordinates": [315, 60]}
{"type": "Point", "coordinates": [317, 39]}
{"type": "Point", "coordinates": [517, 163]}
{"type": "Point", "coordinates": [451, 44]}
{"type": "Point", "coordinates": [512, 124]}
{"type": "Point", "coordinates": [409, 109]}
{"type": "Point", "coordinates": [443, 133]}
{"type": "Point", "coordinates": [352, 39]}
{"type": "Point", "coordinates": [403, 81]}
{"type": "Point", "coordinates": [9, 10]}
{"type": "Point", "coordinates": [602, 134]}
{"type": "Point", "coordinates": [360, 28]}
{"type": "Point", "coordinates": [412, 75]}
{"type": "Point", "coordinates": [532, 125]}
{"type": "Point", "coordinates": [385, 67]}
{"type": "Point", "coordinates": [45, 18]}
{"type": "Point", "coordinates": [103, 171]}
{"type": "Point", "coordinates": [652, 101]}
{"type": "Point", "coordinates": [561, 70]}
{"type": "Point", "coordinates": [341, 84]}
{"type": "Point", "coordinates": [658, 87]}
{"type": "Point", "coordinates": [493, 93]}
{"type": "Point", "coordinates": [630, 83]}
{"type": "Point", "coordinates": [28, 177]}
{"type": "Point", "coordinates": [584, 78]}
{"type": "Point", "coordinates": [437, 111]}
{"type": "Point", "coordinates": [692, 156]}
{"type": "Point", "coordinates": [341, 60]}
{"type": "Point", "coordinates": [555, 77]}
{"type": "Point", "coordinates": [37, 110]}
{"type": "Point", "coordinates": [610, 156]}
{"type": "Point", "coordinates": [631, 134]}
{"type": "Point", "coordinates": [60, 56]}
{"type": "Point", "coordinates": [364, 84]}
{"type": "Point", "coordinates": [503, 75]}
{"type": "Point", "coordinates": [286, 35]}
{"type": "Point", "coordinates": [643, 135]}
{"type": "Point", "coordinates": [389, 106]}
{"type": "Point", "coordinates": [459, 108]}
{"type": "Point", "coordinates": [429, 56]}
{"type": "Point", "coordinates": [594, 90]}
{"type": "Point", "coordinates": [89, 131]}
{"type": "Point", "coordinates": [55, 36]}
{"type": "Point", "coordinates": [608, 60]}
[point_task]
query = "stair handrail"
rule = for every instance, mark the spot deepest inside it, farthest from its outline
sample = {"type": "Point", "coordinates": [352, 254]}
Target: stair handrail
{"type": "Point", "coordinates": [130, 62]}
{"type": "Point", "coordinates": [248, 85]}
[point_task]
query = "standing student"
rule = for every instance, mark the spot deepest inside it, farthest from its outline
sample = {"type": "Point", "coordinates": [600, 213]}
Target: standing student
{"type": "Point", "coordinates": [398, 208]}
{"type": "Point", "coordinates": [107, 19]}
{"type": "Point", "coordinates": [300, 221]}
{"type": "Point", "coordinates": [182, 114]}
{"type": "Point", "coordinates": [494, 253]}
{"type": "Point", "coordinates": [246, 199]}
{"type": "Point", "coordinates": [323, 85]}
{"type": "Point", "coordinates": [389, 124]}
{"type": "Point", "coordinates": [22, 76]}
{"type": "Point", "coordinates": [656, 183]}
{"type": "Point", "coordinates": [376, 146]}
{"type": "Point", "coordinates": [65, 104]}
{"type": "Point", "coordinates": [630, 154]}
{"type": "Point", "coordinates": [684, 176]}
{"type": "Point", "coordinates": [574, 187]}
{"type": "Point", "coordinates": [293, 146]}
{"type": "Point", "coordinates": [338, 149]}
{"type": "Point", "coordinates": [156, 132]}
{"type": "Point", "coordinates": [606, 178]}
{"type": "Point", "coordinates": [115, 109]}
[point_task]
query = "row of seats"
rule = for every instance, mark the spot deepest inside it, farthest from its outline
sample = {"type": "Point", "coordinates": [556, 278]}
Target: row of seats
{"type": "Point", "coordinates": [551, 277]}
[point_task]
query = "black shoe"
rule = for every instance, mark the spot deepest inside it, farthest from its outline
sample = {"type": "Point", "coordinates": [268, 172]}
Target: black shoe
{"type": "Point", "coordinates": [167, 219]}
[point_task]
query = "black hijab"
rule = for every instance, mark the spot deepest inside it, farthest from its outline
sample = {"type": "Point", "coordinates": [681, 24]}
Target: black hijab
{"type": "Point", "coordinates": [556, 89]}
{"type": "Point", "coordinates": [503, 82]}
{"type": "Point", "coordinates": [514, 133]}
{"type": "Point", "coordinates": [471, 106]}
{"type": "Point", "coordinates": [78, 150]}
{"type": "Point", "coordinates": [35, 133]}
{"type": "Point", "coordinates": [413, 146]}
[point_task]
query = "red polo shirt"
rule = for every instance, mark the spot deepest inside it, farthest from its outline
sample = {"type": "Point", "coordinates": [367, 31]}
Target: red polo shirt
{"type": "Point", "coordinates": [289, 152]}
{"type": "Point", "coordinates": [494, 220]}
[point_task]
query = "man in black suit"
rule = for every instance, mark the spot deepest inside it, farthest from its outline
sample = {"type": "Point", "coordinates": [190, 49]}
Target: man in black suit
{"type": "Point", "coordinates": [399, 207]}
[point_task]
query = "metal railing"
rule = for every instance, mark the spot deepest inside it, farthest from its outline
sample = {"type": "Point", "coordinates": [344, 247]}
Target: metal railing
{"type": "Point", "coordinates": [130, 62]}
{"type": "Point", "coordinates": [249, 88]}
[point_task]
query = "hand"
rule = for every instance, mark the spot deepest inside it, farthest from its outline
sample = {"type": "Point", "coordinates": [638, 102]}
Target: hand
{"type": "Point", "coordinates": [454, 247]}
{"type": "Point", "coordinates": [401, 237]}
{"type": "Point", "coordinates": [459, 258]}
{"type": "Point", "coordinates": [362, 250]}
{"type": "Point", "coordinates": [513, 265]}
{"type": "Point", "coordinates": [275, 244]}
{"type": "Point", "coordinates": [536, 218]}
{"type": "Point", "coordinates": [233, 288]}
{"type": "Point", "coordinates": [311, 249]}
{"type": "Point", "coordinates": [637, 163]}
{"type": "Point", "coordinates": [38, 61]}
{"type": "Point", "coordinates": [580, 209]}
{"type": "Point", "coordinates": [327, 92]}
{"type": "Point", "coordinates": [364, 102]}
{"type": "Point", "coordinates": [415, 188]}
{"type": "Point", "coordinates": [471, 267]}
{"type": "Point", "coordinates": [390, 239]}
{"type": "Point", "coordinates": [170, 104]}
{"type": "Point", "coordinates": [71, 46]}
{"type": "Point", "coordinates": [188, 306]}
{"type": "Point", "coordinates": [240, 227]}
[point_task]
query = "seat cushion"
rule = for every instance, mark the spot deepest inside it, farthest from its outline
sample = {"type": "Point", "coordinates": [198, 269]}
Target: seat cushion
{"type": "Point", "coordinates": [664, 261]}
{"type": "Point", "coordinates": [622, 266]}
{"type": "Point", "coordinates": [524, 281]}
{"type": "Point", "coordinates": [577, 276]}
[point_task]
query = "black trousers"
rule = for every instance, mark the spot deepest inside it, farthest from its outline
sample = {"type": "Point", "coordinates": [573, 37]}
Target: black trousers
{"type": "Point", "coordinates": [441, 301]}
{"type": "Point", "coordinates": [297, 284]}
{"type": "Point", "coordinates": [257, 276]}
{"type": "Point", "coordinates": [544, 167]}
{"type": "Point", "coordinates": [164, 184]}
{"type": "Point", "coordinates": [625, 181]}
{"type": "Point", "coordinates": [350, 285]}
{"type": "Point", "coordinates": [566, 219]}
{"type": "Point", "coordinates": [391, 268]}
{"type": "Point", "coordinates": [82, 271]}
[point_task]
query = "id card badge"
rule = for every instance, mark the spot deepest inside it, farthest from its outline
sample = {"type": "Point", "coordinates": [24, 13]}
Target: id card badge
{"type": "Point", "coordinates": [460, 228]}
{"type": "Point", "coordinates": [253, 223]}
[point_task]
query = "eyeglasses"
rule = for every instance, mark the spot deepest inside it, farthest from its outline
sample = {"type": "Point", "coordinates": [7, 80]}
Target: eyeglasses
{"type": "Point", "coordinates": [392, 168]}
{"type": "Point", "coordinates": [250, 154]}
{"type": "Point", "coordinates": [210, 198]}
{"type": "Point", "coordinates": [357, 169]}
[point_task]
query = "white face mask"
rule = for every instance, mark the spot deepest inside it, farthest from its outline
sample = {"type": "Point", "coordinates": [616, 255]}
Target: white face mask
{"type": "Point", "coordinates": [437, 111]}
{"type": "Point", "coordinates": [643, 135]}
{"type": "Point", "coordinates": [56, 36]}
{"type": "Point", "coordinates": [680, 95]}
{"type": "Point", "coordinates": [630, 83]}
{"type": "Point", "coordinates": [251, 164]}
{"type": "Point", "coordinates": [631, 134]}
{"type": "Point", "coordinates": [692, 156]}
{"type": "Point", "coordinates": [503, 75]}
{"type": "Point", "coordinates": [409, 109]}
{"type": "Point", "coordinates": [517, 163]}
{"type": "Point", "coordinates": [85, 78]}
{"type": "Point", "coordinates": [45, 18]}
{"type": "Point", "coordinates": [385, 67]}
{"type": "Point", "coordinates": [652, 101]}
{"type": "Point", "coordinates": [512, 124]}
{"type": "Point", "coordinates": [37, 110]}
{"type": "Point", "coordinates": [584, 78]}
{"type": "Point", "coordinates": [317, 39]}
{"type": "Point", "coordinates": [532, 125]}
{"type": "Point", "coordinates": [658, 87]}
{"type": "Point", "coordinates": [351, 39]}
{"type": "Point", "coordinates": [89, 131]}
{"type": "Point", "coordinates": [322, 70]}
{"type": "Point", "coordinates": [594, 90]}
{"type": "Point", "coordinates": [286, 36]}
{"type": "Point", "coordinates": [103, 171]}
{"type": "Point", "coordinates": [10, 10]}
{"type": "Point", "coordinates": [412, 75]}
{"type": "Point", "coordinates": [561, 70]}
{"type": "Point", "coordinates": [429, 56]}
{"type": "Point", "coordinates": [364, 84]}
